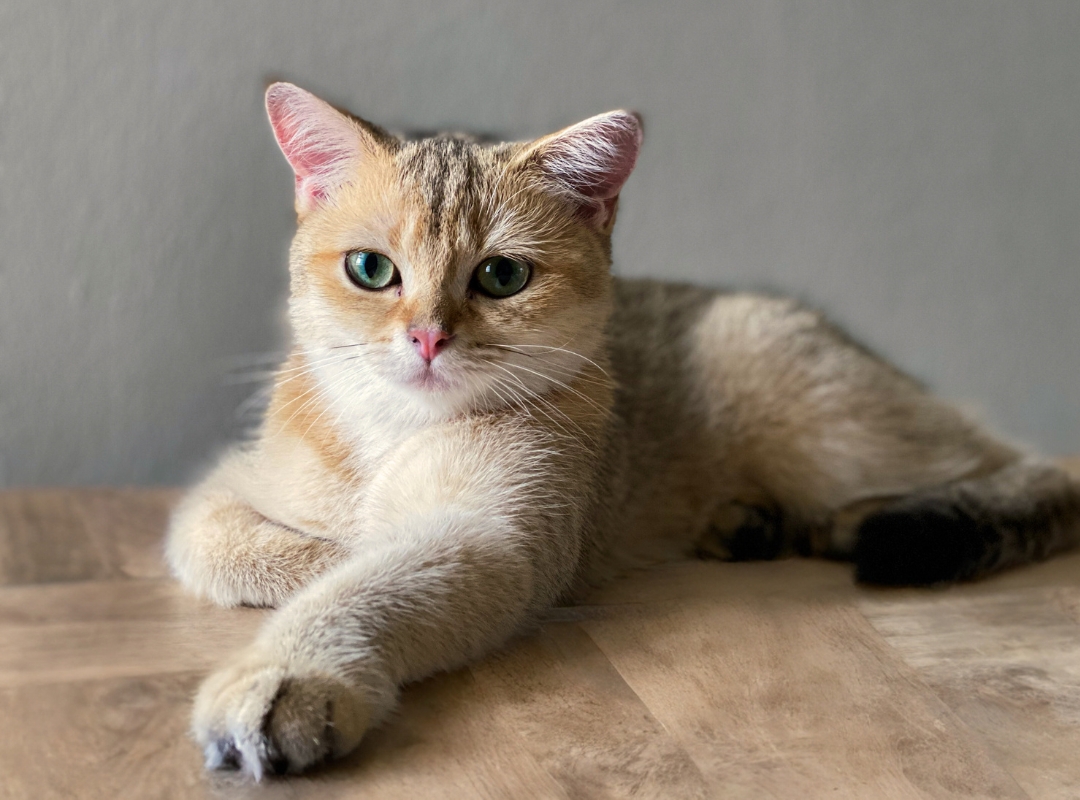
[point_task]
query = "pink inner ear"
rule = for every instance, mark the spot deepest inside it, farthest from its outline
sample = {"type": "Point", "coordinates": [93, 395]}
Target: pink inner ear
{"type": "Point", "coordinates": [594, 158]}
{"type": "Point", "coordinates": [318, 142]}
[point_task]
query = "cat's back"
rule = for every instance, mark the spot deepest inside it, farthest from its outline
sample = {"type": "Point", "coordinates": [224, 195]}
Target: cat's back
{"type": "Point", "coordinates": [705, 376]}
{"type": "Point", "coordinates": [660, 333]}
{"type": "Point", "coordinates": [651, 324]}
{"type": "Point", "coordinates": [701, 371]}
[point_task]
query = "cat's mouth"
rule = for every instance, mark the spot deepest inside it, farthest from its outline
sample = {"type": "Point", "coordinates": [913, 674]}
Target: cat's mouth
{"type": "Point", "coordinates": [428, 379]}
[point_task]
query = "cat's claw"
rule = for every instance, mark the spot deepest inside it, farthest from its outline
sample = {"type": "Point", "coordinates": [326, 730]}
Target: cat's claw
{"type": "Point", "coordinates": [256, 760]}
{"type": "Point", "coordinates": [222, 754]}
{"type": "Point", "coordinates": [263, 718]}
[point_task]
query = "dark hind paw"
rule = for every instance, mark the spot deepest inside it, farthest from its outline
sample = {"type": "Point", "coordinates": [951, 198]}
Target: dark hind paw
{"type": "Point", "coordinates": [921, 542]}
{"type": "Point", "coordinates": [759, 536]}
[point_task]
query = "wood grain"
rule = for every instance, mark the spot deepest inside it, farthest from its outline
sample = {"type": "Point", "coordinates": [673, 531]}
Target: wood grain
{"type": "Point", "coordinates": [1008, 665]}
{"type": "Point", "coordinates": [581, 721]}
{"type": "Point", "coordinates": [46, 539]}
{"type": "Point", "coordinates": [120, 738]}
{"type": "Point", "coordinates": [782, 697]}
{"type": "Point", "coordinates": [82, 534]}
{"type": "Point", "coordinates": [698, 680]}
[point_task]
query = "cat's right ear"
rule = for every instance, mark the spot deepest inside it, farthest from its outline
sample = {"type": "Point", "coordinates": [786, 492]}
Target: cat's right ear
{"type": "Point", "coordinates": [588, 163]}
{"type": "Point", "coordinates": [322, 145]}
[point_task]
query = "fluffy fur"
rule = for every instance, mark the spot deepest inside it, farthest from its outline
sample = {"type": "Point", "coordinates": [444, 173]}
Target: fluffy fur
{"type": "Point", "coordinates": [407, 516]}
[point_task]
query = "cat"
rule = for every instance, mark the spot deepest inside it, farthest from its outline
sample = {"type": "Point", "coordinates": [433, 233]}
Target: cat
{"type": "Point", "coordinates": [477, 422]}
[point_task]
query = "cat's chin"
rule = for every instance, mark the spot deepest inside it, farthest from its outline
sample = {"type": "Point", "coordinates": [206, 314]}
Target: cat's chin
{"type": "Point", "coordinates": [430, 382]}
{"type": "Point", "coordinates": [436, 392]}
{"type": "Point", "coordinates": [442, 396]}
{"type": "Point", "coordinates": [434, 404]}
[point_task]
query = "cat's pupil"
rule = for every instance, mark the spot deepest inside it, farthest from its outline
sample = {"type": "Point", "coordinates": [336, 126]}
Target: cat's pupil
{"type": "Point", "coordinates": [504, 271]}
{"type": "Point", "coordinates": [370, 265]}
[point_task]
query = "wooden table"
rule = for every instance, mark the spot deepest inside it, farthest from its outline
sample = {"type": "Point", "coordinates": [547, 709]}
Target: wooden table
{"type": "Point", "coordinates": [769, 680]}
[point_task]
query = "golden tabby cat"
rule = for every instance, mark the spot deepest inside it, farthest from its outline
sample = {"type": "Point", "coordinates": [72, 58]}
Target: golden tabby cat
{"type": "Point", "coordinates": [476, 421]}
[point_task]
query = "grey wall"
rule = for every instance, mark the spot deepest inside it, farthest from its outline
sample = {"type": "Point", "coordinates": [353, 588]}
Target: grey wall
{"type": "Point", "coordinates": [912, 167]}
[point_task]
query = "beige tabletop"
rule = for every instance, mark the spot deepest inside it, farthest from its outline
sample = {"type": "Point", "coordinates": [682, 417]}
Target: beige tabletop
{"type": "Point", "coordinates": [765, 680]}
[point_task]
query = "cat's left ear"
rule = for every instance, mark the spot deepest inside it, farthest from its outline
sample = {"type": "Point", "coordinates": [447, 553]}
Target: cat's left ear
{"type": "Point", "coordinates": [323, 146]}
{"type": "Point", "coordinates": [588, 163]}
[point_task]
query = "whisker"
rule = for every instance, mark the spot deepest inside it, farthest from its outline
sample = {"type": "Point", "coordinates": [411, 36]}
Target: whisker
{"type": "Point", "coordinates": [281, 358]}
{"type": "Point", "coordinates": [569, 373]}
{"type": "Point", "coordinates": [570, 389]}
{"type": "Point", "coordinates": [244, 360]}
{"type": "Point", "coordinates": [538, 398]}
{"type": "Point", "coordinates": [524, 405]}
{"type": "Point", "coordinates": [550, 349]}
{"type": "Point", "coordinates": [260, 397]}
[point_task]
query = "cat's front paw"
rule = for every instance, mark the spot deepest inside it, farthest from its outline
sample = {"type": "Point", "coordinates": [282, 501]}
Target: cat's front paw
{"type": "Point", "coordinates": [260, 717]}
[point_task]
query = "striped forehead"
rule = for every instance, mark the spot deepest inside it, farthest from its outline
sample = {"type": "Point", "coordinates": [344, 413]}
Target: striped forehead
{"type": "Point", "coordinates": [451, 177]}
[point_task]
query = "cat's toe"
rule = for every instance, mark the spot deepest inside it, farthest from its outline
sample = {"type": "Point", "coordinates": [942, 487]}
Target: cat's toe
{"type": "Point", "coordinates": [228, 715]}
{"type": "Point", "coordinates": [300, 726]}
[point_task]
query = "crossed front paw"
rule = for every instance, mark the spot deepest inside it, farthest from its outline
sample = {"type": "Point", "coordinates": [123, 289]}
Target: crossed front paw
{"type": "Point", "coordinates": [263, 717]}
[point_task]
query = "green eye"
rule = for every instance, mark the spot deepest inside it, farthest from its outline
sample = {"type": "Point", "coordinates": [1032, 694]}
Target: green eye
{"type": "Point", "coordinates": [502, 276]}
{"type": "Point", "coordinates": [370, 270]}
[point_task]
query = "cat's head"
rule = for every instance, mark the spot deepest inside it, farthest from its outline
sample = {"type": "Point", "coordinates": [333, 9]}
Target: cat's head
{"type": "Point", "coordinates": [449, 273]}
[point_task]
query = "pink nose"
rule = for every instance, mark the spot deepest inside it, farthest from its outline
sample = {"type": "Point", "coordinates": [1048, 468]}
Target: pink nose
{"type": "Point", "coordinates": [429, 341]}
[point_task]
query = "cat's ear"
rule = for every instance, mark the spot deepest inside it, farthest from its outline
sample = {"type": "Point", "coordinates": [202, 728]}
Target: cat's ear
{"type": "Point", "coordinates": [589, 162]}
{"type": "Point", "coordinates": [322, 145]}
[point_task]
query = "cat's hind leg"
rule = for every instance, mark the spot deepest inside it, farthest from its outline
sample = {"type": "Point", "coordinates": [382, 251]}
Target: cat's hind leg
{"type": "Point", "coordinates": [865, 462]}
{"type": "Point", "coordinates": [222, 549]}
{"type": "Point", "coordinates": [1024, 512]}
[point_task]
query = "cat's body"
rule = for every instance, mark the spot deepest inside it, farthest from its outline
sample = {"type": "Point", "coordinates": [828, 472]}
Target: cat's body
{"type": "Point", "coordinates": [447, 453]}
